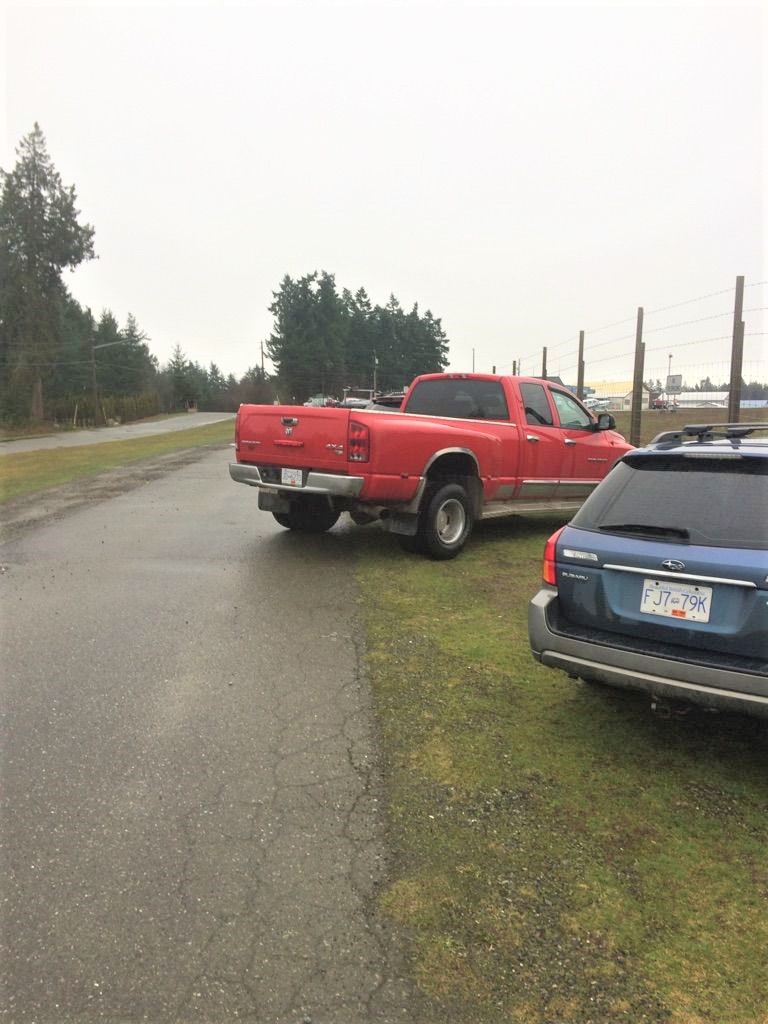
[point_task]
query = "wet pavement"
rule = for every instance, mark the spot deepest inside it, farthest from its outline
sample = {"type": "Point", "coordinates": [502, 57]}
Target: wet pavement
{"type": "Point", "coordinates": [192, 817]}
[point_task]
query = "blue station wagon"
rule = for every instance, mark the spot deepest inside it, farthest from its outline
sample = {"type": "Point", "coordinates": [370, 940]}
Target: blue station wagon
{"type": "Point", "coordinates": [660, 581]}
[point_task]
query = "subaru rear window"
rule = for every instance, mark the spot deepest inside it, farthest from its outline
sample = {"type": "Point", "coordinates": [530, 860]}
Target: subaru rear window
{"type": "Point", "coordinates": [715, 500]}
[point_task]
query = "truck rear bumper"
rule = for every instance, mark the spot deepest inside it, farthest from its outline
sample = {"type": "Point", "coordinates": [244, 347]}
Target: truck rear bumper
{"type": "Point", "coordinates": [317, 483]}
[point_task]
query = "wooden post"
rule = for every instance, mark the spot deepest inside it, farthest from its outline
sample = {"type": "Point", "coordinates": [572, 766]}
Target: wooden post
{"type": "Point", "coordinates": [580, 381]}
{"type": "Point", "coordinates": [737, 352]}
{"type": "Point", "coordinates": [637, 383]}
{"type": "Point", "coordinates": [544, 363]}
{"type": "Point", "coordinates": [514, 367]}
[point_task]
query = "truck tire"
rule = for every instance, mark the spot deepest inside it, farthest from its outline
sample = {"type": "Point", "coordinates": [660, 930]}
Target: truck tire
{"type": "Point", "coordinates": [446, 521]}
{"type": "Point", "coordinates": [308, 516]}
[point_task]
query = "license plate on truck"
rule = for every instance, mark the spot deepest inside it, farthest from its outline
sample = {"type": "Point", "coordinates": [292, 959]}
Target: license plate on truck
{"type": "Point", "coordinates": [291, 477]}
{"type": "Point", "coordinates": [672, 600]}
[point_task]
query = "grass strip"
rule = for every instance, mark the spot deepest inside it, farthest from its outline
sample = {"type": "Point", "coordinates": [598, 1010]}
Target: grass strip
{"type": "Point", "coordinates": [25, 473]}
{"type": "Point", "coordinates": [560, 853]}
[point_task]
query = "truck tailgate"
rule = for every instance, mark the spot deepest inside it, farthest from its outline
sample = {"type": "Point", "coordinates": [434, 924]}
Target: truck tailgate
{"type": "Point", "coordinates": [294, 436]}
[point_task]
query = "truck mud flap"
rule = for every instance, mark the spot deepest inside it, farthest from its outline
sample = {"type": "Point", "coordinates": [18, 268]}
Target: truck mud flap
{"type": "Point", "coordinates": [402, 522]}
{"type": "Point", "coordinates": [269, 502]}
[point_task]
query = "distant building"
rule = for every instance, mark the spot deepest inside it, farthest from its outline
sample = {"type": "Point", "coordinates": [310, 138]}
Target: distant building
{"type": "Point", "coordinates": [617, 393]}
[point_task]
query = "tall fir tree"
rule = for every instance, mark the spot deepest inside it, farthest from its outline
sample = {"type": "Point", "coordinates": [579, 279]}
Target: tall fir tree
{"type": "Point", "coordinates": [40, 237]}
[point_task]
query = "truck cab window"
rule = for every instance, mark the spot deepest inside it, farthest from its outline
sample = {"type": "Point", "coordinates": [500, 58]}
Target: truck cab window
{"type": "Point", "coordinates": [459, 398]}
{"type": "Point", "coordinates": [537, 411]}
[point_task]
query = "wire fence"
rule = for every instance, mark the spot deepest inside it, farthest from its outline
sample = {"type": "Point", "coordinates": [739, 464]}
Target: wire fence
{"type": "Point", "coordinates": [679, 347]}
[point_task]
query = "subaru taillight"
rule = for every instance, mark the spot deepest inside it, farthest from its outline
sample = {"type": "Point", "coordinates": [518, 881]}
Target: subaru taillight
{"type": "Point", "coordinates": [548, 571]}
{"type": "Point", "coordinates": [359, 445]}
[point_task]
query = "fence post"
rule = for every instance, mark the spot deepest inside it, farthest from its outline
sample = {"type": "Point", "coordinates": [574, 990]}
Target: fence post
{"type": "Point", "coordinates": [544, 363]}
{"type": "Point", "coordinates": [737, 352]}
{"type": "Point", "coordinates": [580, 382]}
{"type": "Point", "coordinates": [637, 383]}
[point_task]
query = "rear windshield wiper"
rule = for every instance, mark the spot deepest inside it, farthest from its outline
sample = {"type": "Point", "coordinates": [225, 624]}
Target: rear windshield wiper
{"type": "Point", "coordinates": [656, 531]}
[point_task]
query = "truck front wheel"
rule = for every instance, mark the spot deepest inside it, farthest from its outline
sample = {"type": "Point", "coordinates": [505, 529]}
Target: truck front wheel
{"type": "Point", "coordinates": [446, 521]}
{"type": "Point", "coordinates": [308, 516]}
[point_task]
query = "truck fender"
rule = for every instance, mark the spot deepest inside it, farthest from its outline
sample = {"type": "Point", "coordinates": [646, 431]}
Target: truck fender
{"type": "Point", "coordinates": [459, 464]}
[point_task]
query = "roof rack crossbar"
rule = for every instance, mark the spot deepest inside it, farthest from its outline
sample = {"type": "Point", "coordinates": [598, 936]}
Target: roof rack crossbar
{"type": "Point", "coordinates": [708, 432]}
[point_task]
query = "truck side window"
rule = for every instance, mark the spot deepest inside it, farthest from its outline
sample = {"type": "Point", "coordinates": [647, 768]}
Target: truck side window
{"type": "Point", "coordinates": [537, 411]}
{"type": "Point", "coordinates": [570, 412]}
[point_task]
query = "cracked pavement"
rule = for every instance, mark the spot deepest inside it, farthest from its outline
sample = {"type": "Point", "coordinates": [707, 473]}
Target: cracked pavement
{"type": "Point", "coordinates": [192, 824]}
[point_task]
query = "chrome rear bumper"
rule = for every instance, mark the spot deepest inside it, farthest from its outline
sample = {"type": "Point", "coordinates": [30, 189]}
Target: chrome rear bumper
{"type": "Point", "coordinates": [317, 483]}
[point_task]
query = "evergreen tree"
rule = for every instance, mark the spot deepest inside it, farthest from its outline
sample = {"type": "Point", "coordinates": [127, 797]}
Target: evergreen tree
{"type": "Point", "coordinates": [323, 341]}
{"type": "Point", "coordinates": [40, 237]}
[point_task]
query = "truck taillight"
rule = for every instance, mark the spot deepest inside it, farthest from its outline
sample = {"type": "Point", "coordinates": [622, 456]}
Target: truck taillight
{"type": "Point", "coordinates": [359, 445]}
{"type": "Point", "coordinates": [237, 431]}
{"type": "Point", "coordinates": [548, 571]}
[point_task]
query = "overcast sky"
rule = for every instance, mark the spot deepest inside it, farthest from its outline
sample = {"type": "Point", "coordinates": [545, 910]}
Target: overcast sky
{"type": "Point", "coordinates": [522, 172]}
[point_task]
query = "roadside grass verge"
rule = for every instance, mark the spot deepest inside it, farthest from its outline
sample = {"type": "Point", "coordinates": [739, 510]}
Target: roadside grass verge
{"type": "Point", "coordinates": [24, 473]}
{"type": "Point", "coordinates": [560, 853]}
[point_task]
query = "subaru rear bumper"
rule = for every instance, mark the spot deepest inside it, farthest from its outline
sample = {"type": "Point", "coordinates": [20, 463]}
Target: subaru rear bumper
{"type": "Point", "coordinates": [668, 678]}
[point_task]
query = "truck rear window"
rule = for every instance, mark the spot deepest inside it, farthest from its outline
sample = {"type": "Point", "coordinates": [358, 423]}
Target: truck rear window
{"type": "Point", "coordinates": [459, 399]}
{"type": "Point", "coordinates": [717, 501]}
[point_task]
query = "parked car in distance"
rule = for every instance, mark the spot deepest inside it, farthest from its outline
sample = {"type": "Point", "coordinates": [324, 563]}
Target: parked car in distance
{"type": "Point", "coordinates": [660, 581]}
{"type": "Point", "coordinates": [596, 403]}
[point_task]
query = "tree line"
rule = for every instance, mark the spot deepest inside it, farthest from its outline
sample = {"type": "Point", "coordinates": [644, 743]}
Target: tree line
{"type": "Point", "coordinates": [326, 341]}
{"type": "Point", "coordinates": [59, 362]}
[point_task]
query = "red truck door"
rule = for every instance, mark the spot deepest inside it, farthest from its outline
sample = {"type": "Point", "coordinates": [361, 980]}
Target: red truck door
{"type": "Point", "coordinates": [589, 455]}
{"type": "Point", "coordinates": [543, 453]}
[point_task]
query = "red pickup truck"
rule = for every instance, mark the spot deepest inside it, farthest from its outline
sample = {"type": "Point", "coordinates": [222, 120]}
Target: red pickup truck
{"type": "Point", "coordinates": [462, 447]}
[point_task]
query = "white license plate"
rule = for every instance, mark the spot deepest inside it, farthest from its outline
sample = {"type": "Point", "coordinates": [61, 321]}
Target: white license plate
{"type": "Point", "coordinates": [291, 476]}
{"type": "Point", "coordinates": [676, 600]}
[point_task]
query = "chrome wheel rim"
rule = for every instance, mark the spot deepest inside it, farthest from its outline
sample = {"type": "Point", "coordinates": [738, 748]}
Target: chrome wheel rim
{"type": "Point", "coordinates": [450, 522]}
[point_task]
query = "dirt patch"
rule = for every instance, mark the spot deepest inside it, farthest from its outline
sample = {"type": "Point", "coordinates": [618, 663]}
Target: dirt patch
{"type": "Point", "coordinates": [22, 514]}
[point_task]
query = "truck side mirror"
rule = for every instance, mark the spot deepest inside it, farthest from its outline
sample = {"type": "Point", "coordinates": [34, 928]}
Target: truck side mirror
{"type": "Point", "coordinates": [606, 422]}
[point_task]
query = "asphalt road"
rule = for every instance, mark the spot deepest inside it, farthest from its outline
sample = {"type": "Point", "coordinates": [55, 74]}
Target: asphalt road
{"type": "Point", "coordinates": [191, 825]}
{"type": "Point", "coordinates": [125, 432]}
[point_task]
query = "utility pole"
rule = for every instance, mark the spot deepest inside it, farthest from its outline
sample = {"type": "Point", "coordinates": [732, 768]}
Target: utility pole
{"type": "Point", "coordinates": [544, 363]}
{"type": "Point", "coordinates": [637, 384]}
{"type": "Point", "coordinates": [580, 380]}
{"type": "Point", "coordinates": [262, 359]}
{"type": "Point", "coordinates": [737, 352]}
{"type": "Point", "coordinates": [473, 360]}
{"type": "Point", "coordinates": [94, 388]}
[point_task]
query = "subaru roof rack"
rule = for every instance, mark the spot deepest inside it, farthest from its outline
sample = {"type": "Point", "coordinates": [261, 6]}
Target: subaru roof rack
{"type": "Point", "coordinates": [708, 432]}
